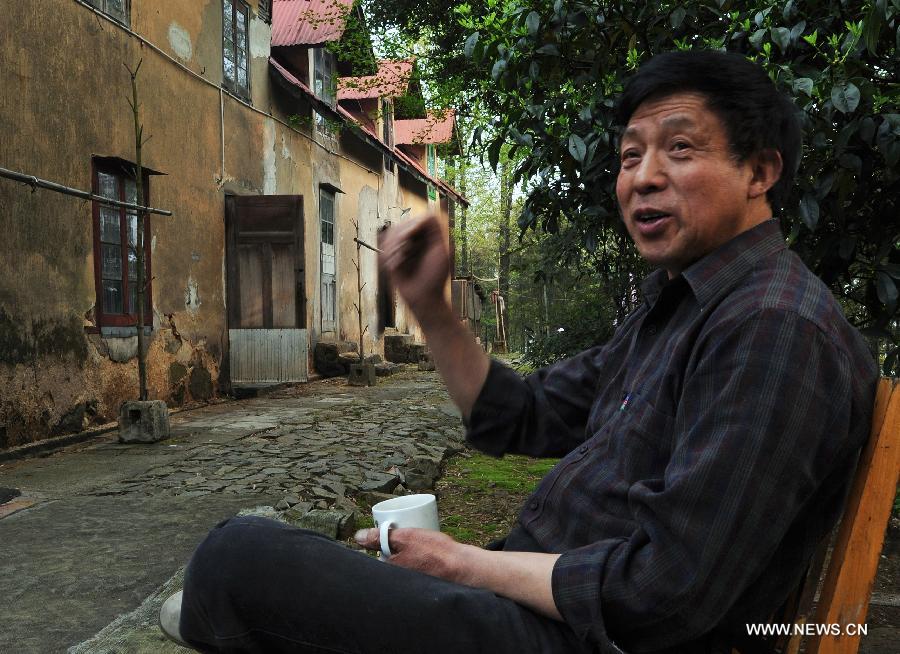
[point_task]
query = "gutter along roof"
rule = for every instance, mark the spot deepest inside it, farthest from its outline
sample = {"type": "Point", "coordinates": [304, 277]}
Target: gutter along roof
{"type": "Point", "coordinates": [361, 131]}
{"type": "Point", "coordinates": [309, 22]}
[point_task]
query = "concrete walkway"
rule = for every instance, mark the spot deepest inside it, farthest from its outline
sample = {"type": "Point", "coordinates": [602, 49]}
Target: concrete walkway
{"type": "Point", "coordinates": [101, 531]}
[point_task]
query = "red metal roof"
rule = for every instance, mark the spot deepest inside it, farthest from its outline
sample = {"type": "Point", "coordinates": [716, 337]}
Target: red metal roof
{"type": "Point", "coordinates": [391, 81]}
{"type": "Point", "coordinates": [350, 118]}
{"type": "Point", "coordinates": [436, 128]}
{"type": "Point", "coordinates": [308, 22]}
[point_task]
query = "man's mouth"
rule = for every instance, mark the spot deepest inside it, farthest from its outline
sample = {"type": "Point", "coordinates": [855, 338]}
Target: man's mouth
{"type": "Point", "coordinates": [650, 222]}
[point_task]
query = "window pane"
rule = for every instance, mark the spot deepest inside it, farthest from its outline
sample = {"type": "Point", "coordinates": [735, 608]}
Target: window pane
{"type": "Point", "coordinates": [242, 78]}
{"type": "Point", "coordinates": [132, 264]}
{"type": "Point", "coordinates": [241, 37]}
{"type": "Point", "coordinates": [229, 10]}
{"type": "Point", "coordinates": [130, 191]}
{"type": "Point", "coordinates": [132, 228]}
{"type": "Point", "coordinates": [109, 225]}
{"type": "Point", "coordinates": [132, 298]}
{"type": "Point", "coordinates": [241, 21]}
{"type": "Point", "coordinates": [107, 186]}
{"type": "Point", "coordinates": [112, 296]}
{"type": "Point", "coordinates": [229, 62]}
{"type": "Point", "coordinates": [111, 261]}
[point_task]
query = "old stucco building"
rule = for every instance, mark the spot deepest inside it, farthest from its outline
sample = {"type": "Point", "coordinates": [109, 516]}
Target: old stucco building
{"type": "Point", "coordinates": [266, 149]}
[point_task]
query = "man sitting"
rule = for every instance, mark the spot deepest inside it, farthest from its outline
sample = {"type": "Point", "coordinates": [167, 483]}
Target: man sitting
{"type": "Point", "coordinates": [707, 447]}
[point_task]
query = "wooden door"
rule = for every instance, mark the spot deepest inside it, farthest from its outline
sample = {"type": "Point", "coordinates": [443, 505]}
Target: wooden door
{"type": "Point", "coordinates": [265, 286]}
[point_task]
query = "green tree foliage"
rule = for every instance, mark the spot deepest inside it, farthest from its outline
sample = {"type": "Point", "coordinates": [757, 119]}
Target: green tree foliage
{"type": "Point", "coordinates": [550, 71]}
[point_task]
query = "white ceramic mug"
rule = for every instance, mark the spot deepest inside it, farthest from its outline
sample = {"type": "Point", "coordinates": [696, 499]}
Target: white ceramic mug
{"type": "Point", "coordinates": [405, 511]}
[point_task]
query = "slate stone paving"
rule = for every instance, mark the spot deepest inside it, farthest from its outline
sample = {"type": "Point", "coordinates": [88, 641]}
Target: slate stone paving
{"type": "Point", "coordinates": [100, 527]}
{"type": "Point", "coordinates": [313, 454]}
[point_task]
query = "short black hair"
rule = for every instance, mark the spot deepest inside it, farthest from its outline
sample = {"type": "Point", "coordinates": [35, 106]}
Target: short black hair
{"type": "Point", "coordinates": [756, 115]}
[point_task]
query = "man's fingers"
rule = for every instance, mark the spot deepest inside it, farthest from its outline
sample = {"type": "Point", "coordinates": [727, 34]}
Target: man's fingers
{"type": "Point", "coordinates": [368, 538]}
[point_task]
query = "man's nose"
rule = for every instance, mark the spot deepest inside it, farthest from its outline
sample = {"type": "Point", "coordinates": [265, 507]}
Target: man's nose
{"type": "Point", "coordinates": [650, 175]}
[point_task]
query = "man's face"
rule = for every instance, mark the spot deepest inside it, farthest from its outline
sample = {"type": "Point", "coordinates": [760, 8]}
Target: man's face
{"type": "Point", "coordinates": [681, 192]}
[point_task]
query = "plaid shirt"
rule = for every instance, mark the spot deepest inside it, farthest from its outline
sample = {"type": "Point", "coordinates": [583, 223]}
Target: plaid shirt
{"type": "Point", "coordinates": [708, 448]}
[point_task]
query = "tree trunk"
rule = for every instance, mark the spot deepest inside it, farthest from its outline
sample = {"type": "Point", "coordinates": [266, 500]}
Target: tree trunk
{"type": "Point", "coordinates": [139, 238]}
{"type": "Point", "coordinates": [505, 229]}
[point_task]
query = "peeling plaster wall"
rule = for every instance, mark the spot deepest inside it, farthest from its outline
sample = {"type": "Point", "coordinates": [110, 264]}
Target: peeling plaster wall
{"type": "Point", "coordinates": [57, 373]}
{"type": "Point", "coordinates": [55, 114]}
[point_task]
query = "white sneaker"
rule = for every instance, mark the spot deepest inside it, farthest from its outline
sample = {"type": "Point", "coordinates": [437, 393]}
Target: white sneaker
{"type": "Point", "coordinates": [169, 616]}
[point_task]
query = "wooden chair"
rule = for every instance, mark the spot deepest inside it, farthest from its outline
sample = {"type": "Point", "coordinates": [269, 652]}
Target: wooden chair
{"type": "Point", "coordinates": [850, 571]}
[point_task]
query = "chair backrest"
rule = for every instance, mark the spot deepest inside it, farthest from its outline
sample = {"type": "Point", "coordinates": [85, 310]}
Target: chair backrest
{"type": "Point", "coordinates": [850, 571]}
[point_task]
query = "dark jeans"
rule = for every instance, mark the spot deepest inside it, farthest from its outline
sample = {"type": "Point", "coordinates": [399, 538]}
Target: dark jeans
{"type": "Point", "coordinates": [257, 585]}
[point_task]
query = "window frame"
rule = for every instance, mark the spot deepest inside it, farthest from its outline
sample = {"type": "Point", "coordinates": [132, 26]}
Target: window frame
{"type": "Point", "coordinates": [101, 6]}
{"type": "Point", "coordinates": [237, 6]}
{"type": "Point", "coordinates": [119, 169]}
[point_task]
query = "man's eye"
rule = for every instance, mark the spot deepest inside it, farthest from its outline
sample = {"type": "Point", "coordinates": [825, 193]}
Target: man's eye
{"type": "Point", "coordinates": [681, 145]}
{"type": "Point", "coordinates": [630, 154]}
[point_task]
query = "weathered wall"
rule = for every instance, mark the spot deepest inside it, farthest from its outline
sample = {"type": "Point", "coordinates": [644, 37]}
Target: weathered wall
{"type": "Point", "coordinates": [65, 102]}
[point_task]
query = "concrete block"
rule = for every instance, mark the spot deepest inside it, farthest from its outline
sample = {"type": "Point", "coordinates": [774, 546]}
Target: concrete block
{"type": "Point", "coordinates": [426, 361]}
{"type": "Point", "coordinates": [414, 351]}
{"type": "Point", "coordinates": [143, 422]}
{"type": "Point", "coordinates": [396, 347]}
{"type": "Point", "coordinates": [386, 369]}
{"type": "Point", "coordinates": [362, 374]}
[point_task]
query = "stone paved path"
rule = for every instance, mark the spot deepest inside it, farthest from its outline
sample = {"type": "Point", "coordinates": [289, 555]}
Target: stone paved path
{"type": "Point", "coordinates": [104, 527]}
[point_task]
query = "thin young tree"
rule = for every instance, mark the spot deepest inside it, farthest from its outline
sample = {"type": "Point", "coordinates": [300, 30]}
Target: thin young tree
{"type": "Point", "coordinates": [139, 237]}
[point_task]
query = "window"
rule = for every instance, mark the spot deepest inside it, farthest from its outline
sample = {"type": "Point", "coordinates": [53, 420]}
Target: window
{"type": "Point", "coordinates": [115, 238]}
{"type": "Point", "coordinates": [119, 10]}
{"type": "Point", "coordinates": [234, 47]}
{"type": "Point", "coordinates": [264, 10]}
{"type": "Point", "coordinates": [327, 261]}
{"type": "Point", "coordinates": [323, 87]}
{"type": "Point", "coordinates": [323, 75]}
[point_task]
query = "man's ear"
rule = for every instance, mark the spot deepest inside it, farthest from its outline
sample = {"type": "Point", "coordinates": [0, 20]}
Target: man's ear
{"type": "Point", "coordinates": [766, 166]}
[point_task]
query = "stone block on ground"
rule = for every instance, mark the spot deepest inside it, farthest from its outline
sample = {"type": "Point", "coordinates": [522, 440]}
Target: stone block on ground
{"type": "Point", "coordinates": [422, 472]}
{"type": "Point", "coordinates": [143, 422]}
{"type": "Point", "coordinates": [373, 497]}
{"type": "Point", "coordinates": [426, 361]}
{"type": "Point", "coordinates": [362, 374]}
{"type": "Point", "coordinates": [387, 368]}
{"type": "Point", "coordinates": [335, 524]}
{"type": "Point", "coordinates": [296, 512]}
{"type": "Point", "coordinates": [414, 351]}
{"type": "Point", "coordinates": [348, 359]}
{"type": "Point", "coordinates": [396, 347]}
{"type": "Point", "coordinates": [380, 482]}
{"type": "Point", "coordinates": [325, 359]}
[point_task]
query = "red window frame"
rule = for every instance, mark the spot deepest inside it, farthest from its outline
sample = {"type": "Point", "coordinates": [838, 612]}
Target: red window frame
{"type": "Point", "coordinates": [121, 170]}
